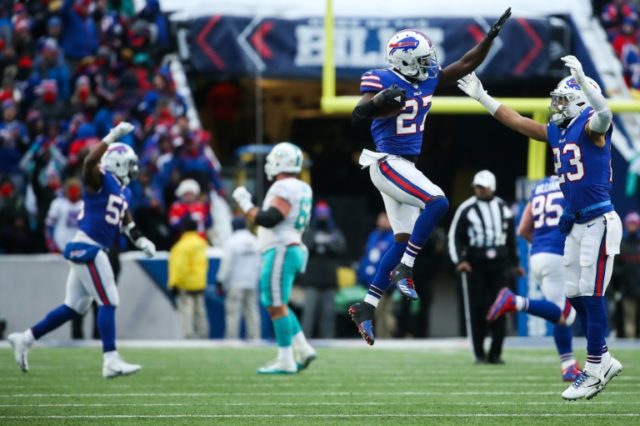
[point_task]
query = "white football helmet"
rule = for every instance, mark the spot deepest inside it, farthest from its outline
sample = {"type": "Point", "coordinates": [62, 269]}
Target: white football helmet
{"type": "Point", "coordinates": [285, 157]}
{"type": "Point", "coordinates": [122, 161]}
{"type": "Point", "coordinates": [412, 53]}
{"type": "Point", "coordinates": [568, 100]}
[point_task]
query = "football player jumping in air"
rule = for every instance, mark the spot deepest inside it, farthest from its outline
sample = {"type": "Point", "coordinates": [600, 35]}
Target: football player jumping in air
{"type": "Point", "coordinates": [539, 226]}
{"type": "Point", "coordinates": [579, 132]}
{"type": "Point", "coordinates": [395, 102]}
{"type": "Point", "coordinates": [282, 220]}
{"type": "Point", "coordinates": [107, 170]}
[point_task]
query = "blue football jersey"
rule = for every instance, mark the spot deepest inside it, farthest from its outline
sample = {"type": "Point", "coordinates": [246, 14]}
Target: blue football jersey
{"type": "Point", "coordinates": [103, 211]}
{"type": "Point", "coordinates": [583, 169]}
{"type": "Point", "coordinates": [402, 134]}
{"type": "Point", "coordinates": [547, 205]}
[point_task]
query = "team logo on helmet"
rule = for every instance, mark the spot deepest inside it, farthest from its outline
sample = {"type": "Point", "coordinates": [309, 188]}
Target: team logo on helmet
{"type": "Point", "coordinates": [573, 84]}
{"type": "Point", "coordinates": [120, 149]}
{"type": "Point", "coordinates": [406, 44]}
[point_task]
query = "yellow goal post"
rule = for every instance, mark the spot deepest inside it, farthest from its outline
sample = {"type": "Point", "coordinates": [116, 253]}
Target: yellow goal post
{"type": "Point", "coordinates": [536, 107]}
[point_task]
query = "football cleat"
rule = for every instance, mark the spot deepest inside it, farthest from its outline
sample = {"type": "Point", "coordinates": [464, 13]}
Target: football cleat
{"type": "Point", "coordinates": [505, 302]}
{"type": "Point", "coordinates": [116, 366]}
{"type": "Point", "coordinates": [402, 278]}
{"type": "Point", "coordinates": [20, 350]}
{"type": "Point", "coordinates": [612, 370]}
{"type": "Point", "coordinates": [362, 314]}
{"type": "Point", "coordinates": [303, 356]}
{"type": "Point", "coordinates": [586, 386]}
{"type": "Point", "coordinates": [571, 373]}
{"type": "Point", "coordinates": [278, 367]}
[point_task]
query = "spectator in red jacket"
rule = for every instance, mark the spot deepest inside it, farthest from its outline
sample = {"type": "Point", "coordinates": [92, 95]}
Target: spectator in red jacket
{"type": "Point", "coordinates": [189, 204]}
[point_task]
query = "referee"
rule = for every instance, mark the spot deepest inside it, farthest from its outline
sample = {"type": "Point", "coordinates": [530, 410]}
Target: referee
{"type": "Point", "coordinates": [482, 247]}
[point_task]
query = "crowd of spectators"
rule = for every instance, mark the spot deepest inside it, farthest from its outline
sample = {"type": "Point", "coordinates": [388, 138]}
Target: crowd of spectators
{"type": "Point", "coordinates": [621, 22]}
{"type": "Point", "coordinates": [70, 70]}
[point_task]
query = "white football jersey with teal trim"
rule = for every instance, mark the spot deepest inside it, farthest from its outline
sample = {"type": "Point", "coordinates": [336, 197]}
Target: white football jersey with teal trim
{"type": "Point", "coordinates": [299, 195]}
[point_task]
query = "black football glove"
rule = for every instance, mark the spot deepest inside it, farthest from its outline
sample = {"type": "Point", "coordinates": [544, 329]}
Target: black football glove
{"type": "Point", "coordinates": [392, 96]}
{"type": "Point", "coordinates": [495, 29]}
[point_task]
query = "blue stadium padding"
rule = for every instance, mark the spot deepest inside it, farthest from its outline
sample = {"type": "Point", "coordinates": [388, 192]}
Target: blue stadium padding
{"type": "Point", "coordinates": [157, 270]}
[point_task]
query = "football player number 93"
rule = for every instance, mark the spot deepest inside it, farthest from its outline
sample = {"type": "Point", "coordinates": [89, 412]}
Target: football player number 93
{"type": "Point", "coordinates": [406, 121]}
{"type": "Point", "coordinates": [116, 207]}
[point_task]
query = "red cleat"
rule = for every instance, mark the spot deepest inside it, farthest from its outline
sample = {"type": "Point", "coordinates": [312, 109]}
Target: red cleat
{"type": "Point", "coordinates": [505, 302]}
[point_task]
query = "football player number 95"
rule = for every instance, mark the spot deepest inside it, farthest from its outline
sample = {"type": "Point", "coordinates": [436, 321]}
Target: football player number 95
{"type": "Point", "coordinates": [406, 121]}
{"type": "Point", "coordinates": [545, 210]}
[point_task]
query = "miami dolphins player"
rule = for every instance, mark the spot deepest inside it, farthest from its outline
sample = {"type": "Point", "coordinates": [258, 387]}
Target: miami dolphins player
{"type": "Point", "coordinates": [282, 220]}
{"type": "Point", "coordinates": [107, 170]}
{"type": "Point", "coordinates": [395, 102]}
{"type": "Point", "coordinates": [579, 132]}
{"type": "Point", "coordinates": [539, 226]}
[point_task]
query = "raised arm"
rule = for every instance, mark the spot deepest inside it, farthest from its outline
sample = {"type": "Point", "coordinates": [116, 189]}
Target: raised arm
{"type": "Point", "coordinates": [91, 167]}
{"type": "Point", "coordinates": [602, 117]}
{"type": "Point", "coordinates": [472, 86]}
{"type": "Point", "coordinates": [474, 57]}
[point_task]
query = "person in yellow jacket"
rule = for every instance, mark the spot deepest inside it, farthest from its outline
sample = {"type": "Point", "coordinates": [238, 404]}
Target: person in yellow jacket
{"type": "Point", "coordinates": [188, 265]}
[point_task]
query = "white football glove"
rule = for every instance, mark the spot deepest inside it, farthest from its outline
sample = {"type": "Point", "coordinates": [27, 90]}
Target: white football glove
{"type": "Point", "coordinates": [146, 245]}
{"type": "Point", "coordinates": [575, 67]}
{"type": "Point", "coordinates": [472, 86]}
{"type": "Point", "coordinates": [122, 129]}
{"type": "Point", "coordinates": [243, 198]}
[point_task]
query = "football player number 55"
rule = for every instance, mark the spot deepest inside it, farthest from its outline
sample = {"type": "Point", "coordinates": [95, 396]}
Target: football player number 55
{"type": "Point", "coordinates": [116, 207]}
{"type": "Point", "coordinates": [406, 121]}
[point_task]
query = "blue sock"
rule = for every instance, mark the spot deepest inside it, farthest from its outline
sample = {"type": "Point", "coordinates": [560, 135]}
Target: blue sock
{"type": "Point", "coordinates": [282, 328]}
{"type": "Point", "coordinates": [107, 327]}
{"type": "Point", "coordinates": [389, 261]}
{"type": "Point", "coordinates": [424, 226]}
{"type": "Point", "coordinates": [563, 336]}
{"type": "Point", "coordinates": [596, 327]}
{"type": "Point", "coordinates": [544, 309]}
{"type": "Point", "coordinates": [53, 320]}
{"type": "Point", "coordinates": [578, 305]}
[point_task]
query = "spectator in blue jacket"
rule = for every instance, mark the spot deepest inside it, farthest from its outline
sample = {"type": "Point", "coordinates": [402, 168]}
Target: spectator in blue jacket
{"type": "Point", "coordinates": [379, 241]}
{"type": "Point", "coordinates": [50, 65]}
{"type": "Point", "coordinates": [80, 36]}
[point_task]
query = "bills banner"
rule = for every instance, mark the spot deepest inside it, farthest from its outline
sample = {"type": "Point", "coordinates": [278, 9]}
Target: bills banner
{"type": "Point", "coordinates": [282, 48]}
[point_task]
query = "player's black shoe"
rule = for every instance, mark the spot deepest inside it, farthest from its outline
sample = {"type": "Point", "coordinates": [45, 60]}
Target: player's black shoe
{"type": "Point", "coordinates": [402, 278]}
{"type": "Point", "coordinates": [362, 314]}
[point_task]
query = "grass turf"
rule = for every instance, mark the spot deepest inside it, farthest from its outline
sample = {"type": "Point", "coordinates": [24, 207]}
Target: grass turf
{"type": "Point", "coordinates": [343, 386]}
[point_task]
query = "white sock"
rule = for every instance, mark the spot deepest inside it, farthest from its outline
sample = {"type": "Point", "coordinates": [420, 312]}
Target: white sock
{"type": "Point", "coordinates": [521, 303]}
{"type": "Point", "coordinates": [285, 353]}
{"type": "Point", "coordinates": [299, 339]}
{"type": "Point", "coordinates": [108, 356]}
{"type": "Point", "coordinates": [373, 301]}
{"type": "Point", "coordinates": [408, 260]}
{"type": "Point", "coordinates": [27, 335]}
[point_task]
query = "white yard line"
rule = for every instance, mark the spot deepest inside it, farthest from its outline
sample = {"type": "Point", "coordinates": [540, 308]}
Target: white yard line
{"type": "Point", "coordinates": [299, 394]}
{"type": "Point", "coordinates": [297, 415]}
{"type": "Point", "coordinates": [307, 404]}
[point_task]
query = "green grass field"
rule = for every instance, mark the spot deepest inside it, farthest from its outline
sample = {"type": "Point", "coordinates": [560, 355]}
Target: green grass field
{"type": "Point", "coordinates": [344, 386]}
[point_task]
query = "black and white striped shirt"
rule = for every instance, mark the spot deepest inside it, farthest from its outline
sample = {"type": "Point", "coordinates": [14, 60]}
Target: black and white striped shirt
{"type": "Point", "coordinates": [482, 230]}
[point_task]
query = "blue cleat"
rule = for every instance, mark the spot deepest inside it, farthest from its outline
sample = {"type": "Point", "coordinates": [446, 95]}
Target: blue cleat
{"type": "Point", "coordinates": [362, 314]}
{"type": "Point", "coordinates": [571, 373]}
{"type": "Point", "coordinates": [505, 302]}
{"type": "Point", "coordinates": [402, 278]}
